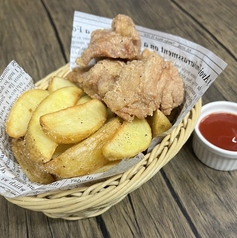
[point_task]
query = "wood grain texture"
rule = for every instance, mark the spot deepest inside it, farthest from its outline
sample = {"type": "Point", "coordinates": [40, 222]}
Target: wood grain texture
{"type": "Point", "coordinates": [186, 198]}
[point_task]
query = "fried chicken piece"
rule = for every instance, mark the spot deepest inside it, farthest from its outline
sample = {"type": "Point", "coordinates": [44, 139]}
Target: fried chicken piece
{"type": "Point", "coordinates": [121, 42]}
{"type": "Point", "coordinates": [136, 88]}
{"type": "Point", "coordinates": [173, 91]}
{"type": "Point", "coordinates": [101, 78]}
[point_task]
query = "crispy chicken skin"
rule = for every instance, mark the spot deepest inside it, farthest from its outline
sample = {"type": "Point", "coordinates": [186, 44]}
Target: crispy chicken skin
{"type": "Point", "coordinates": [101, 78]}
{"type": "Point", "coordinates": [120, 42]}
{"type": "Point", "coordinates": [75, 76]}
{"type": "Point", "coordinates": [144, 86]}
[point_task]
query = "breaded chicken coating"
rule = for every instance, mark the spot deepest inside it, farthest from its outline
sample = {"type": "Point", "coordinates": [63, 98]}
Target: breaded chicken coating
{"type": "Point", "coordinates": [120, 42]}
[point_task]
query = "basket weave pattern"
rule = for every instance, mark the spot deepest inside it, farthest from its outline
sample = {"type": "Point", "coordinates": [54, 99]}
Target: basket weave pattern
{"type": "Point", "coordinates": [94, 199]}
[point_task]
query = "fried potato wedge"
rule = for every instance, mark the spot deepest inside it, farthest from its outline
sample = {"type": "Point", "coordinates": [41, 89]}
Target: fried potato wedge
{"type": "Point", "coordinates": [74, 124]}
{"type": "Point", "coordinates": [84, 157]}
{"type": "Point", "coordinates": [22, 110]}
{"type": "Point", "coordinates": [34, 171]}
{"type": "Point", "coordinates": [159, 123]}
{"type": "Point", "coordinates": [130, 139]}
{"type": "Point", "coordinates": [38, 144]}
{"type": "Point", "coordinates": [58, 82]}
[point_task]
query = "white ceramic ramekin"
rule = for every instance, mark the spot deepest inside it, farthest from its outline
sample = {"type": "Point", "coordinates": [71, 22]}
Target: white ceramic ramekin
{"type": "Point", "coordinates": [208, 153]}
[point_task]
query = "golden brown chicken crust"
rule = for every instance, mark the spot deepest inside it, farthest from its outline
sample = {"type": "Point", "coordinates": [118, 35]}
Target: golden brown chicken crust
{"type": "Point", "coordinates": [75, 76]}
{"type": "Point", "coordinates": [173, 92]}
{"type": "Point", "coordinates": [101, 78]}
{"type": "Point", "coordinates": [144, 86]}
{"type": "Point", "coordinates": [120, 42]}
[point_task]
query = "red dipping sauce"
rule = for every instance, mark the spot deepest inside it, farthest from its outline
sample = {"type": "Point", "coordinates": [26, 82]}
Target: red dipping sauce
{"type": "Point", "coordinates": [220, 129]}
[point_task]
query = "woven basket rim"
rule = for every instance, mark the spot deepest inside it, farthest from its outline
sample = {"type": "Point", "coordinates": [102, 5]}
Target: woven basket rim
{"type": "Point", "coordinates": [94, 199]}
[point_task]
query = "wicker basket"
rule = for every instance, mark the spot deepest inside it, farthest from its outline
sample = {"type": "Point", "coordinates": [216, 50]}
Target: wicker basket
{"type": "Point", "coordinates": [95, 199]}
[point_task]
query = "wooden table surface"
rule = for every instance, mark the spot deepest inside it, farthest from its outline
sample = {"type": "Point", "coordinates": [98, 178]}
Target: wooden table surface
{"type": "Point", "coordinates": [184, 199]}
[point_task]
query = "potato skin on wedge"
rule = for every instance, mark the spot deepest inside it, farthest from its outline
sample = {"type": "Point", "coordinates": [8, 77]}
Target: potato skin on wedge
{"type": "Point", "coordinates": [74, 124]}
{"type": "Point", "coordinates": [33, 170]}
{"type": "Point", "coordinates": [22, 111]}
{"type": "Point", "coordinates": [159, 123]}
{"type": "Point", "coordinates": [39, 146]}
{"type": "Point", "coordinates": [130, 139]}
{"type": "Point", "coordinates": [84, 157]}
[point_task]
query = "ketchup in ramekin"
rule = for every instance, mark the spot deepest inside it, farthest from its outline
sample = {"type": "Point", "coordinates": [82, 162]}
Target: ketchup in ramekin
{"type": "Point", "coordinates": [215, 136]}
{"type": "Point", "coordinates": [220, 129]}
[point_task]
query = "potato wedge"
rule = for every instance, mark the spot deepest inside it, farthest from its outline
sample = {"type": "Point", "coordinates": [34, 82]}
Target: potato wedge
{"type": "Point", "coordinates": [84, 157]}
{"type": "Point", "coordinates": [22, 110]}
{"type": "Point", "coordinates": [38, 144]}
{"type": "Point", "coordinates": [74, 124]}
{"type": "Point", "coordinates": [34, 171]}
{"type": "Point", "coordinates": [159, 123]}
{"type": "Point", "coordinates": [58, 82]}
{"type": "Point", "coordinates": [130, 139]}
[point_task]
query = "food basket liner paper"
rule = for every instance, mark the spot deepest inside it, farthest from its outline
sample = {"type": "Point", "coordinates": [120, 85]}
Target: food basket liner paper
{"type": "Point", "coordinates": [197, 66]}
